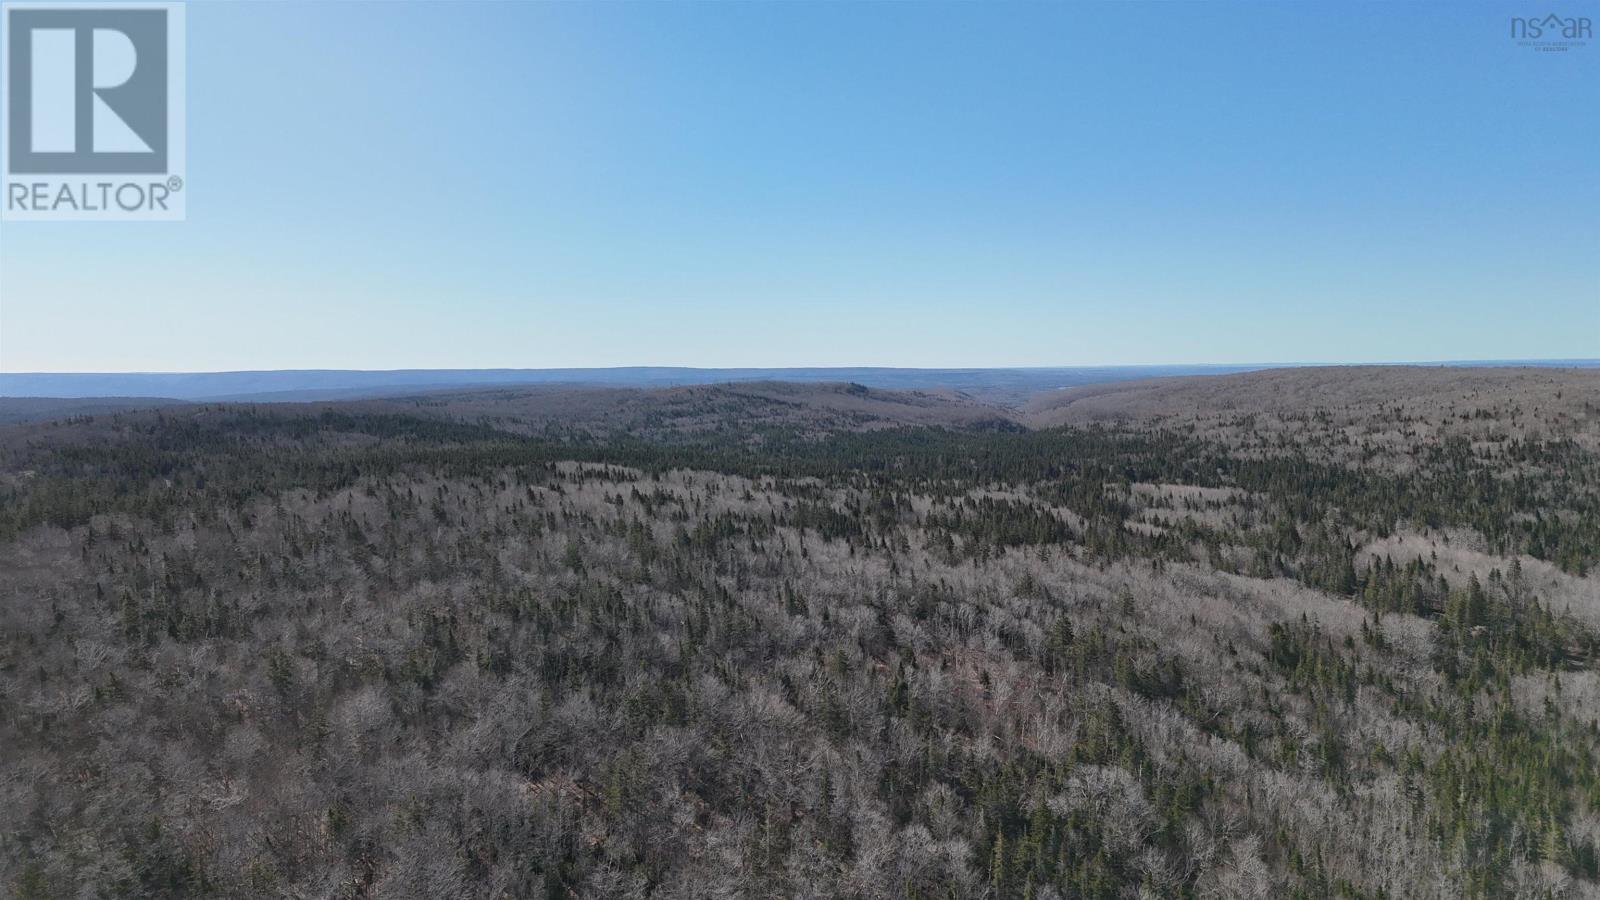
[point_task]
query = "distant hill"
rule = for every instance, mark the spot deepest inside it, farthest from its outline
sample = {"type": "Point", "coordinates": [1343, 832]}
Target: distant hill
{"type": "Point", "coordinates": [1349, 392]}
{"type": "Point", "coordinates": [39, 409]}
{"type": "Point", "coordinates": [699, 409]}
{"type": "Point", "coordinates": [1005, 386]}
{"type": "Point", "coordinates": [1267, 400]}
{"type": "Point", "coordinates": [1008, 386]}
{"type": "Point", "coordinates": [745, 412]}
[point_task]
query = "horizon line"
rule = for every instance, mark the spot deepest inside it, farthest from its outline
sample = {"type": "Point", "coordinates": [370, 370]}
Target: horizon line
{"type": "Point", "coordinates": [1505, 361]}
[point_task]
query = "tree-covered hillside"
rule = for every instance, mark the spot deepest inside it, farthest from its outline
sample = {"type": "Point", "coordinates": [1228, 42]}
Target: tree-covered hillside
{"type": "Point", "coordinates": [359, 651]}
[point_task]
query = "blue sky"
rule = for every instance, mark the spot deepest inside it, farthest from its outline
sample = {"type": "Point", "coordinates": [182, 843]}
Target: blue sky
{"type": "Point", "coordinates": [383, 185]}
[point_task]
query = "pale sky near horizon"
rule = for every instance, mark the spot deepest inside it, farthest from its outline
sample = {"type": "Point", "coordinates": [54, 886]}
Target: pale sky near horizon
{"type": "Point", "coordinates": [420, 185]}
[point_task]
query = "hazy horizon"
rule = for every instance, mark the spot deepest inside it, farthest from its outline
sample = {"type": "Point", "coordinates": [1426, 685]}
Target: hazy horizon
{"type": "Point", "coordinates": [1004, 385]}
{"type": "Point", "coordinates": [1257, 364]}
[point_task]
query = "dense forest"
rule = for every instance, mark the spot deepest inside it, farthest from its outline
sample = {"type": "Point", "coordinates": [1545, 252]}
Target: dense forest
{"type": "Point", "coordinates": [1343, 650]}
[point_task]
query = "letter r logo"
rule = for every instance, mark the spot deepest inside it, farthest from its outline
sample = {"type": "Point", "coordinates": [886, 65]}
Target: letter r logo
{"type": "Point", "coordinates": [87, 90]}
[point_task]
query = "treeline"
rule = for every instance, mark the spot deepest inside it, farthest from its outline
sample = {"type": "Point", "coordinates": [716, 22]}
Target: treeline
{"type": "Point", "coordinates": [1540, 498]}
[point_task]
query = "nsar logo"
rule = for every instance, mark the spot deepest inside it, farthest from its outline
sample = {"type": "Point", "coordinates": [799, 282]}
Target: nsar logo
{"type": "Point", "coordinates": [94, 124]}
{"type": "Point", "coordinates": [1552, 33]}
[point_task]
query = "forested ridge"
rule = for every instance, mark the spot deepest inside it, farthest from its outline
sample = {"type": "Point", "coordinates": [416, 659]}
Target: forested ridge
{"type": "Point", "coordinates": [357, 652]}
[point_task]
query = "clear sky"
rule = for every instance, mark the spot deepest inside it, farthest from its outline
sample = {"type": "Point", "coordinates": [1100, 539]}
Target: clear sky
{"type": "Point", "coordinates": [385, 185]}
